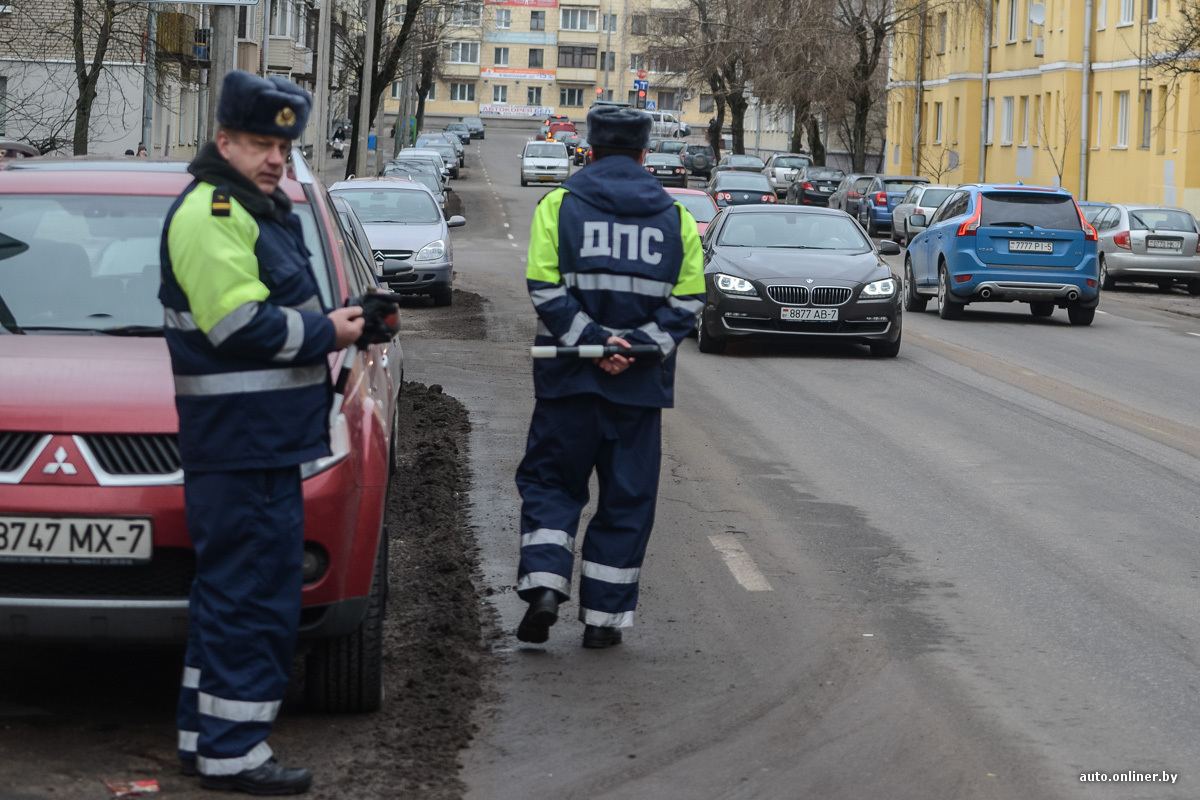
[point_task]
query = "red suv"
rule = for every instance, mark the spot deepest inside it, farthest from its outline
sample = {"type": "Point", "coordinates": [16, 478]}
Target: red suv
{"type": "Point", "coordinates": [93, 546]}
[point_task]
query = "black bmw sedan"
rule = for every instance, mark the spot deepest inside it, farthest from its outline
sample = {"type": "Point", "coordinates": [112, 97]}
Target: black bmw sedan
{"type": "Point", "coordinates": [791, 273]}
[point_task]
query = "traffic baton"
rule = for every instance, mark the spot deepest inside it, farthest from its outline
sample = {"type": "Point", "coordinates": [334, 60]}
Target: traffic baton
{"type": "Point", "coordinates": [594, 351]}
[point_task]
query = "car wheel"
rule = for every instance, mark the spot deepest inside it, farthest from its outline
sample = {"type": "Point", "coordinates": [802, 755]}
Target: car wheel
{"type": "Point", "coordinates": [1166, 285]}
{"type": "Point", "coordinates": [872, 228]}
{"type": "Point", "coordinates": [947, 308]}
{"type": "Point", "coordinates": [704, 340]}
{"type": "Point", "coordinates": [912, 300]}
{"type": "Point", "coordinates": [1079, 315]}
{"type": "Point", "coordinates": [1193, 286]}
{"type": "Point", "coordinates": [443, 298]}
{"type": "Point", "coordinates": [524, 182]}
{"type": "Point", "coordinates": [1041, 309]}
{"type": "Point", "coordinates": [885, 349]}
{"type": "Point", "coordinates": [344, 675]}
{"type": "Point", "coordinates": [1106, 281]}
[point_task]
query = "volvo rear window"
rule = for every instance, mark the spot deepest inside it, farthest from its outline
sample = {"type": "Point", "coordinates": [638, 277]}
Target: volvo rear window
{"type": "Point", "coordinates": [1030, 210]}
{"type": "Point", "coordinates": [1160, 219]}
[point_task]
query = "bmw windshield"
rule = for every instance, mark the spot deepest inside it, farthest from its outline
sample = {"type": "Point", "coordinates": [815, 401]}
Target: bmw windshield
{"type": "Point", "coordinates": [787, 230]}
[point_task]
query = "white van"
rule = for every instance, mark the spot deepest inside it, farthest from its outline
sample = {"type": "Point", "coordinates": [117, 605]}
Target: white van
{"type": "Point", "coordinates": [666, 123]}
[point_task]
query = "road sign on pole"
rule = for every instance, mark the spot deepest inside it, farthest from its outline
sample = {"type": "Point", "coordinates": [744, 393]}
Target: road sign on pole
{"type": "Point", "coordinates": [641, 86]}
{"type": "Point", "coordinates": [641, 73]}
{"type": "Point", "coordinates": [651, 105]}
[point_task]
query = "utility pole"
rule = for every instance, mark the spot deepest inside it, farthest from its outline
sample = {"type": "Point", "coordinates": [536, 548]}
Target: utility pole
{"type": "Point", "coordinates": [149, 77]}
{"type": "Point", "coordinates": [266, 37]}
{"type": "Point", "coordinates": [362, 128]}
{"type": "Point", "coordinates": [222, 59]}
{"type": "Point", "coordinates": [983, 89]}
{"type": "Point", "coordinates": [321, 89]}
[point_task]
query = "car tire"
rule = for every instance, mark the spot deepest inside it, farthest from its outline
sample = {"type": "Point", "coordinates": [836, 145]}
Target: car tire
{"type": "Point", "coordinates": [885, 349]}
{"type": "Point", "coordinates": [1106, 281]}
{"type": "Point", "coordinates": [1080, 315]}
{"type": "Point", "coordinates": [704, 339]}
{"type": "Point", "coordinates": [443, 298]}
{"type": "Point", "coordinates": [895, 235]}
{"type": "Point", "coordinates": [912, 300]}
{"type": "Point", "coordinates": [344, 675]}
{"type": "Point", "coordinates": [872, 228]}
{"type": "Point", "coordinates": [699, 162]}
{"type": "Point", "coordinates": [524, 182]}
{"type": "Point", "coordinates": [1041, 309]}
{"type": "Point", "coordinates": [1166, 284]}
{"type": "Point", "coordinates": [947, 308]}
{"type": "Point", "coordinates": [1193, 286]}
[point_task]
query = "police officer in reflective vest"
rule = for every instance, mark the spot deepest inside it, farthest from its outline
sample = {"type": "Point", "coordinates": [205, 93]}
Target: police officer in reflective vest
{"type": "Point", "coordinates": [248, 335]}
{"type": "Point", "coordinates": [612, 260]}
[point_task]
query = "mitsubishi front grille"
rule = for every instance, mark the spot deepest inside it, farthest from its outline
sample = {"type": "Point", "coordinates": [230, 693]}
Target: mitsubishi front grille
{"type": "Point", "coordinates": [135, 454]}
{"type": "Point", "coordinates": [830, 295]}
{"type": "Point", "coordinates": [791, 295]}
{"type": "Point", "coordinates": [15, 448]}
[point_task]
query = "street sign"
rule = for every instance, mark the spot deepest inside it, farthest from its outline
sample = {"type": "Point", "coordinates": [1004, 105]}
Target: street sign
{"type": "Point", "coordinates": [641, 86]}
{"type": "Point", "coordinates": [651, 105]}
{"type": "Point", "coordinates": [641, 73]}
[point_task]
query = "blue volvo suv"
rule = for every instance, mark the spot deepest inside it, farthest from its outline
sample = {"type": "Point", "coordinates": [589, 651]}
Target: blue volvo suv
{"type": "Point", "coordinates": [1002, 244]}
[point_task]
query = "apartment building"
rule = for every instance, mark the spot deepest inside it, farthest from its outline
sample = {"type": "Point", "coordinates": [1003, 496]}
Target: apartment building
{"type": "Point", "coordinates": [1131, 138]}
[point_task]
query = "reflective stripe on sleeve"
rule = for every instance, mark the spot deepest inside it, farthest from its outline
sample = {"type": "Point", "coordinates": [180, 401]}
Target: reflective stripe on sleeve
{"type": "Point", "coordinates": [688, 304]}
{"type": "Point", "coordinates": [600, 572]}
{"type": "Point", "coordinates": [187, 741]}
{"type": "Point", "coordinates": [623, 619]}
{"type": "Point", "coordinates": [191, 677]}
{"type": "Point", "coordinates": [232, 322]}
{"type": "Point", "coordinates": [544, 580]}
{"type": "Point", "coordinates": [543, 330]}
{"type": "Point", "coordinates": [578, 326]}
{"type": "Point", "coordinates": [607, 282]}
{"type": "Point", "coordinates": [295, 335]}
{"type": "Point", "coordinates": [232, 766]}
{"type": "Point", "coordinates": [255, 380]}
{"type": "Point", "coordinates": [237, 710]}
{"type": "Point", "coordinates": [311, 304]}
{"type": "Point", "coordinates": [660, 337]}
{"type": "Point", "coordinates": [543, 296]}
{"type": "Point", "coordinates": [179, 320]}
{"type": "Point", "coordinates": [547, 536]}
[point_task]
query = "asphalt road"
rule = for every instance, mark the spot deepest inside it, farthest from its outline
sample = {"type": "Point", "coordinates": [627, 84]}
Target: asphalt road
{"type": "Point", "coordinates": [967, 572]}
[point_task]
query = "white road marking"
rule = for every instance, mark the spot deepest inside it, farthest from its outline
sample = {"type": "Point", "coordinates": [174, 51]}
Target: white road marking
{"type": "Point", "coordinates": [1098, 311]}
{"type": "Point", "coordinates": [744, 570]}
{"type": "Point", "coordinates": [511, 236]}
{"type": "Point", "coordinates": [506, 224]}
{"type": "Point", "coordinates": [1193, 334]}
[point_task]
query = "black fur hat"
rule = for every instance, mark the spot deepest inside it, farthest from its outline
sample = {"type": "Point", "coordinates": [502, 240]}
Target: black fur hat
{"type": "Point", "coordinates": [272, 107]}
{"type": "Point", "coordinates": [619, 128]}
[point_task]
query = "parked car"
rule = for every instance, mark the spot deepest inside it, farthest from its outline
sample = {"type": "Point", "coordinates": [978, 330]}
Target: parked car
{"type": "Point", "coordinates": [542, 133]}
{"type": "Point", "coordinates": [813, 185]}
{"type": "Point", "coordinates": [1002, 244]}
{"type": "Point", "coordinates": [448, 153]}
{"type": "Point", "coordinates": [699, 159]}
{"type": "Point", "coordinates": [922, 198]}
{"type": "Point", "coordinates": [1159, 244]}
{"type": "Point", "coordinates": [702, 207]}
{"type": "Point", "coordinates": [667, 168]}
{"type": "Point", "coordinates": [418, 171]}
{"type": "Point", "coordinates": [571, 139]}
{"type": "Point", "coordinates": [668, 123]}
{"type": "Point", "coordinates": [781, 170]}
{"type": "Point", "coordinates": [1091, 209]}
{"type": "Point", "coordinates": [475, 126]}
{"type": "Point", "coordinates": [409, 236]}
{"type": "Point", "coordinates": [558, 128]}
{"type": "Point", "coordinates": [460, 129]}
{"type": "Point", "coordinates": [97, 550]}
{"type": "Point", "coordinates": [653, 146]}
{"type": "Point", "coordinates": [880, 197]}
{"type": "Point", "coordinates": [734, 188]}
{"type": "Point", "coordinates": [426, 154]}
{"type": "Point", "coordinates": [544, 161]}
{"type": "Point", "coordinates": [740, 163]}
{"type": "Point", "coordinates": [579, 156]}
{"type": "Point", "coordinates": [355, 234]}
{"type": "Point", "coordinates": [442, 136]}
{"type": "Point", "coordinates": [790, 272]}
{"type": "Point", "coordinates": [849, 192]}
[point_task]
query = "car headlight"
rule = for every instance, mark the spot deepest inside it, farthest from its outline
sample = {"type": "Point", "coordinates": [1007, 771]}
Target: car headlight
{"type": "Point", "coordinates": [339, 443]}
{"type": "Point", "coordinates": [731, 284]}
{"type": "Point", "coordinates": [432, 251]}
{"type": "Point", "coordinates": [879, 289]}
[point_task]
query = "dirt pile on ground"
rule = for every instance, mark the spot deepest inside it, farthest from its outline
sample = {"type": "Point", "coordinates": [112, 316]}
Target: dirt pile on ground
{"type": "Point", "coordinates": [464, 319]}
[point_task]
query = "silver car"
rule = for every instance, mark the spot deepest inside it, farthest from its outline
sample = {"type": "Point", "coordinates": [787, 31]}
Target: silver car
{"type": "Point", "coordinates": [781, 170]}
{"type": "Point", "coordinates": [427, 154]}
{"type": "Point", "coordinates": [1148, 243]}
{"type": "Point", "coordinates": [542, 162]}
{"type": "Point", "coordinates": [924, 198]}
{"type": "Point", "coordinates": [410, 240]}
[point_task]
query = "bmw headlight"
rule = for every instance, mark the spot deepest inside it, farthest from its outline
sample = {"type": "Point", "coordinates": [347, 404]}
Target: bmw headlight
{"type": "Point", "coordinates": [339, 444]}
{"type": "Point", "coordinates": [732, 284]}
{"type": "Point", "coordinates": [878, 290]}
{"type": "Point", "coordinates": [433, 251]}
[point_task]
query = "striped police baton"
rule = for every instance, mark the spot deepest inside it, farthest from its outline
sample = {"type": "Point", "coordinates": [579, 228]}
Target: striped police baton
{"type": "Point", "coordinates": [594, 351]}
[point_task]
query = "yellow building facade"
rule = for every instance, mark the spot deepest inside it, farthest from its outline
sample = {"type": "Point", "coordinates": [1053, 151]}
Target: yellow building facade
{"type": "Point", "coordinates": [1129, 142]}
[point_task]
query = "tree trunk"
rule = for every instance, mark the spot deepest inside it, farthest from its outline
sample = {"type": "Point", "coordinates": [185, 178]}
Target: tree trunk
{"type": "Point", "coordinates": [858, 131]}
{"type": "Point", "coordinates": [816, 144]}
{"type": "Point", "coordinates": [86, 80]}
{"type": "Point", "coordinates": [799, 120]}
{"type": "Point", "coordinates": [737, 119]}
{"type": "Point", "coordinates": [352, 150]}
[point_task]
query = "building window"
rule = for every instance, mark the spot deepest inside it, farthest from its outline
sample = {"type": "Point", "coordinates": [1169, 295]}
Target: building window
{"type": "Point", "coordinates": [991, 119]}
{"type": "Point", "coordinates": [577, 57]}
{"type": "Point", "coordinates": [1025, 120]}
{"type": "Point", "coordinates": [397, 90]}
{"type": "Point", "coordinates": [464, 52]}
{"type": "Point", "coordinates": [503, 19]}
{"type": "Point", "coordinates": [667, 63]}
{"type": "Point", "coordinates": [937, 123]}
{"type": "Point", "coordinates": [707, 104]}
{"type": "Point", "coordinates": [1126, 12]}
{"type": "Point", "coordinates": [637, 25]}
{"type": "Point", "coordinates": [633, 98]}
{"type": "Point", "coordinates": [533, 95]}
{"type": "Point", "coordinates": [1037, 122]}
{"type": "Point", "coordinates": [668, 100]}
{"type": "Point", "coordinates": [608, 61]}
{"type": "Point", "coordinates": [501, 57]}
{"type": "Point", "coordinates": [571, 98]}
{"type": "Point", "coordinates": [1151, 10]}
{"type": "Point", "coordinates": [1101, 15]}
{"type": "Point", "coordinates": [537, 57]}
{"type": "Point", "coordinates": [1013, 18]}
{"type": "Point", "coordinates": [432, 93]}
{"type": "Point", "coordinates": [280, 18]}
{"type": "Point", "coordinates": [637, 61]}
{"type": "Point", "coordinates": [1006, 121]}
{"type": "Point", "coordinates": [1099, 118]}
{"type": "Point", "coordinates": [246, 20]}
{"type": "Point", "coordinates": [462, 92]}
{"type": "Point", "coordinates": [467, 15]}
{"type": "Point", "coordinates": [1122, 119]}
{"type": "Point", "coordinates": [672, 25]}
{"type": "Point", "coordinates": [608, 23]}
{"type": "Point", "coordinates": [1029, 21]}
{"type": "Point", "coordinates": [537, 20]}
{"type": "Point", "coordinates": [500, 94]}
{"type": "Point", "coordinates": [1146, 124]}
{"type": "Point", "coordinates": [943, 24]}
{"type": "Point", "coordinates": [995, 22]}
{"type": "Point", "coordinates": [578, 19]}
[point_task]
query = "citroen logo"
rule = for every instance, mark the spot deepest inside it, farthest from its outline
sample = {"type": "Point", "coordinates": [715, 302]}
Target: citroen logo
{"type": "Point", "coordinates": [60, 464]}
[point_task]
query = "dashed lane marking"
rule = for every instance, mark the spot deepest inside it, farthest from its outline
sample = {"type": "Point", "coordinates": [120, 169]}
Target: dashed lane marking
{"type": "Point", "coordinates": [506, 224]}
{"type": "Point", "coordinates": [744, 570]}
{"type": "Point", "coordinates": [511, 236]}
{"type": "Point", "coordinates": [1189, 333]}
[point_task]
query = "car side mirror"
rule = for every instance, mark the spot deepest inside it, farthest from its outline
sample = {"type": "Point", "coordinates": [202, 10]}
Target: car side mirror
{"type": "Point", "coordinates": [520, 155]}
{"type": "Point", "coordinates": [394, 266]}
{"type": "Point", "coordinates": [917, 220]}
{"type": "Point", "coordinates": [889, 248]}
{"type": "Point", "coordinates": [703, 184]}
{"type": "Point", "coordinates": [457, 221]}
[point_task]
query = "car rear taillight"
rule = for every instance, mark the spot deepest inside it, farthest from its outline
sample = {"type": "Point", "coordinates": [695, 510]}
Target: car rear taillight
{"type": "Point", "coordinates": [649, 169]}
{"type": "Point", "coordinates": [852, 194]}
{"type": "Point", "coordinates": [1122, 240]}
{"type": "Point", "coordinates": [680, 171]}
{"type": "Point", "coordinates": [961, 278]}
{"type": "Point", "coordinates": [1089, 233]}
{"type": "Point", "coordinates": [767, 198]}
{"type": "Point", "coordinates": [881, 198]}
{"type": "Point", "coordinates": [968, 228]}
{"type": "Point", "coordinates": [724, 196]}
{"type": "Point", "coordinates": [807, 186]}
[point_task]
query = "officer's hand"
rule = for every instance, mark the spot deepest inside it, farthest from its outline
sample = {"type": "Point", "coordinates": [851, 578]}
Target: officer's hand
{"type": "Point", "coordinates": [347, 325]}
{"type": "Point", "coordinates": [614, 365]}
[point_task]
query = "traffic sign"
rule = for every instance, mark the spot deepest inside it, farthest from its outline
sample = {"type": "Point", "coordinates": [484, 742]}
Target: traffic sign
{"type": "Point", "coordinates": [651, 105]}
{"type": "Point", "coordinates": [641, 73]}
{"type": "Point", "coordinates": [641, 86]}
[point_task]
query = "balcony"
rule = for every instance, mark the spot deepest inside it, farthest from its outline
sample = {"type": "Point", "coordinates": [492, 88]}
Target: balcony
{"type": "Point", "coordinates": [180, 39]}
{"type": "Point", "coordinates": [460, 70]}
{"type": "Point", "coordinates": [576, 75]}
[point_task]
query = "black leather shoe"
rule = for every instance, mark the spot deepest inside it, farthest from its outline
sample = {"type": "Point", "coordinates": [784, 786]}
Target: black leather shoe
{"type": "Point", "coordinates": [541, 614]}
{"type": "Point", "coordinates": [187, 766]}
{"type": "Point", "coordinates": [596, 637]}
{"type": "Point", "coordinates": [270, 778]}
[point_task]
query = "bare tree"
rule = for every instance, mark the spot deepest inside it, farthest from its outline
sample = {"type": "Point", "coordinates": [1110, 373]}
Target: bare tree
{"type": "Point", "coordinates": [1175, 42]}
{"type": "Point", "coordinates": [934, 164]}
{"type": "Point", "coordinates": [1058, 149]}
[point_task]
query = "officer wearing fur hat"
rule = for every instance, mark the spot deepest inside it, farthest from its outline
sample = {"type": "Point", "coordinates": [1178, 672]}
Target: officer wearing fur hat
{"type": "Point", "coordinates": [612, 260]}
{"type": "Point", "coordinates": [248, 336]}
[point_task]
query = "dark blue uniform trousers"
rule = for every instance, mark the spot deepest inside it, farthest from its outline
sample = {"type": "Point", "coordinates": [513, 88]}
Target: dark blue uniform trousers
{"type": "Point", "coordinates": [568, 437]}
{"type": "Point", "coordinates": [248, 531]}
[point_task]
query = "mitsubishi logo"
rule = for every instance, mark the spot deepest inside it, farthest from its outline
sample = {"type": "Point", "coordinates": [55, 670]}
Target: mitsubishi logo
{"type": "Point", "coordinates": [59, 463]}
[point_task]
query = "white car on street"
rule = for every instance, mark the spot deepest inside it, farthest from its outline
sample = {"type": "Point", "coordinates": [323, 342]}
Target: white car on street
{"type": "Point", "coordinates": [923, 198]}
{"type": "Point", "coordinates": [543, 162]}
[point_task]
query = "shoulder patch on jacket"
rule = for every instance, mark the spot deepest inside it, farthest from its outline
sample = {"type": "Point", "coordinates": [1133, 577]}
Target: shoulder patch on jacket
{"type": "Point", "coordinates": [220, 202]}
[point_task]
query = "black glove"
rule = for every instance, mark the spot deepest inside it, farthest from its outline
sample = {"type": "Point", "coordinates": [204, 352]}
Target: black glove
{"type": "Point", "coordinates": [381, 316]}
